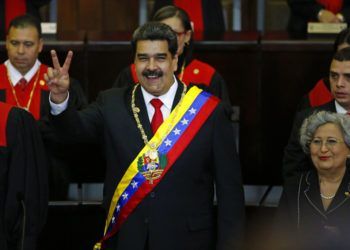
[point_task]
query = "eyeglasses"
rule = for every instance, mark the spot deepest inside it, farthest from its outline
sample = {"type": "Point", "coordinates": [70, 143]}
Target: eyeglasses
{"type": "Point", "coordinates": [329, 142]}
{"type": "Point", "coordinates": [180, 33]}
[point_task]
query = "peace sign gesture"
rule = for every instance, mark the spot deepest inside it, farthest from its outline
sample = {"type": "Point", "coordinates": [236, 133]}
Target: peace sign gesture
{"type": "Point", "coordinates": [58, 77]}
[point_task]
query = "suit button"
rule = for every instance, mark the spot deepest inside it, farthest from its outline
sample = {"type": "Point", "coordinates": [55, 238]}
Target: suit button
{"type": "Point", "coordinates": [153, 194]}
{"type": "Point", "coordinates": [146, 221]}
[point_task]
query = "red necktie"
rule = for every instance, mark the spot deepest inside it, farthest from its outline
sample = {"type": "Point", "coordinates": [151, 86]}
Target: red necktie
{"type": "Point", "coordinates": [157, 118]}
{"type": "Point", "coordinates": [22, 84]}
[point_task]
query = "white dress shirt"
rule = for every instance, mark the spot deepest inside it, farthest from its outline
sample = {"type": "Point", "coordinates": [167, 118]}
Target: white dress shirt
{"type": "Point", "coordinates": [15, 75]}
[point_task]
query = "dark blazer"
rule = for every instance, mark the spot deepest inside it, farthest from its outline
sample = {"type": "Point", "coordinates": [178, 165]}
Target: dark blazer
{"type": "Point", "coordinates": [303, 11]}
{"type": "Point", "coordinates": [302, 222]}
{"type": "Point", "coordinates": [23, 176]}
{"type": "Point", "coordinates": [294, 159]}
{"type": "Point", "coordinates": [178, 214]}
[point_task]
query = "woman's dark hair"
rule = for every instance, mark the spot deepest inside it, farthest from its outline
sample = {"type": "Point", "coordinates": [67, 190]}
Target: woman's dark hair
{"type": "Point", "coordinates": [173, 11]}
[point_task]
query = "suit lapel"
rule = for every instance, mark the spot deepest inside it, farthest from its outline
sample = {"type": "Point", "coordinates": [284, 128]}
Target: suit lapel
{"type": "Point", "coordinates": [312, 192]}
{"type": "Point", "coordinates": [178, 94]}
{"type": "Point", "coordinates": [343, 194]}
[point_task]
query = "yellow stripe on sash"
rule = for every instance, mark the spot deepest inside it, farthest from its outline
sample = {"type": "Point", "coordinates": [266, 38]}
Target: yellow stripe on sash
{"type": "Point", "coordinates": [161, 133]}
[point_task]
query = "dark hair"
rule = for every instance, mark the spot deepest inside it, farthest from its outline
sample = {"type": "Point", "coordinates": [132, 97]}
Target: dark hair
{"type": "Point", "coordinates": [155, 31]}
{"type": "Point", "coordinates": [173, 11]}
{"type": "Point", "coordinates": [342, 55]}
{"type": "Point", "coordinates": [25, 21]}
{"type": "Point", "coordinates": [342, 37]}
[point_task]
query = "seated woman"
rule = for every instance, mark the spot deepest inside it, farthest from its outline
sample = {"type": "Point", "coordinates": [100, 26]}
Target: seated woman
{"type": "Point", "coordinates": [314, 208]}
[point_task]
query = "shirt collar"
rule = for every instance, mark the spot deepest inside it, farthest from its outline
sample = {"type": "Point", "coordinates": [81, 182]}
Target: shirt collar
{"type": "Point", "coordinates": [339, 108]}
{"type": "Point", "coordinates": [167, 99]}
{"type": "Point", "coordinates": [15, 75]}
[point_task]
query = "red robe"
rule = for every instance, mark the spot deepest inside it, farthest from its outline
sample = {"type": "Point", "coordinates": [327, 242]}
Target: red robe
{"type": "Point", "coordinates": [36, 85]}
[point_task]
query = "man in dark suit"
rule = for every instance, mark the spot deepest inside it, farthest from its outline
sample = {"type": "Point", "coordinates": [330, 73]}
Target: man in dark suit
{"type": "Point", "coordinates": [23, 180]}
{"type": "Point", "coordinates": [294, 159]}
{"type": "Point", "coordinates": [159, 184]}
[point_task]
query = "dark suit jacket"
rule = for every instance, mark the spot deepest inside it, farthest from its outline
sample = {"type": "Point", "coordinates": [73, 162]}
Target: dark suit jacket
{"type": "Point", "coordinates": [303, 11]}
{"type": "Point", "coordinates": [178, 214]}
{"type": "Point", "coordinates": [294, 159]}
{"type": "Point", "coordinates": [318, 228]}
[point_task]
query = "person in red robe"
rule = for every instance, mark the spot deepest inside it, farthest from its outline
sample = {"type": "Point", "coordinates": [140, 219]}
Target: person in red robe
{"type": "Point", "coordinates": [325, 11]}
{"type": "Point", "coordinates": [206, 15]}
{"type": "Point", "coordinates": [22, 85]}
{"type": "Point", "coordinates": [320, 93]}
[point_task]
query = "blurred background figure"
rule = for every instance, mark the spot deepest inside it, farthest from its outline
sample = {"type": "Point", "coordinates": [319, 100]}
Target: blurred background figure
{"type": "Point", "coordinates": [324, 11]}
{"type": "Point", "coordinates": [313, 211]}
{"type": "Point", "coordinates": [206, 15]}
{"type": "Point", "coordinates": [321, 93]}
{"type": "Point", "coordinates": [9, 9]}
{"type": "Point", "coordinates": [23, 180]}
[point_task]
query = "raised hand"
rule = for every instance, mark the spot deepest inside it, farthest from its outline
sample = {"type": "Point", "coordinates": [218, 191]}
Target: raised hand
{"type": "Point", "coordinates": [58, 77]}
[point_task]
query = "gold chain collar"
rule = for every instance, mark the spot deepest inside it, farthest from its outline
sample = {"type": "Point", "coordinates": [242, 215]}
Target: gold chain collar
{"type": "Point", "coordinates": [26, 107]}
{"type": "Point", "coordinates": [136, 110]}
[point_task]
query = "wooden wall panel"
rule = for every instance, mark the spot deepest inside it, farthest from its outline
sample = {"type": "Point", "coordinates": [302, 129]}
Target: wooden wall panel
{"type": "Point", "coordinates": [90, 14]}
{"type": "Point", "coordinates": [67, 15]}
{"type": "Point", "coordinates": [83, 16]}
{"type": "Point", "coordinates": [121, 15]}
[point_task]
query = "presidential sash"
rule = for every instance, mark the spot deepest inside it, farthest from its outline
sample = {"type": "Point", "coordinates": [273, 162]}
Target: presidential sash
{"type": "Point", "coordinates": [150, 166]}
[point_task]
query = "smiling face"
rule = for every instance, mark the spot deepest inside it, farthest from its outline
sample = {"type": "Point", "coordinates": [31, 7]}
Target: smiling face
{"type": "Point", "coordinates": [155, 66]}
{"type": "Point", "coordinates": [23, 46]}
{"type": "Point", "coordinates": [328, 150]}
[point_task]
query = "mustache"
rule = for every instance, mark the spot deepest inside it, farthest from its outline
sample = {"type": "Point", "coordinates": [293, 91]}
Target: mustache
{"type": "Point", "coordinates": [156, 73]}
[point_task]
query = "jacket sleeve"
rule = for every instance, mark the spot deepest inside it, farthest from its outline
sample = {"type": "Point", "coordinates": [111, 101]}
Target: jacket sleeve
{"type": "Point", "coordinates": [27, 190]}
